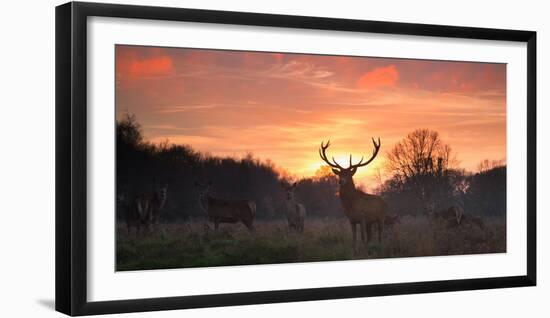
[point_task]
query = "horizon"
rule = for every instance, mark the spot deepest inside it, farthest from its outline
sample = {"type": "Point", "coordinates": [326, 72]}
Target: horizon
{"type": "Point", "coordinates": [280, 106]}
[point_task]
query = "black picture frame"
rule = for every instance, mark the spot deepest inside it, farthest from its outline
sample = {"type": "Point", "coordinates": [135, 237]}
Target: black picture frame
{"type": "Point", "coordinates": [71, 157]}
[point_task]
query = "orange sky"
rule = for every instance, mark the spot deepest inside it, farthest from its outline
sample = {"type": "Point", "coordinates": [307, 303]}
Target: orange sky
{"type": "Point", "coordinates": [281, 106]}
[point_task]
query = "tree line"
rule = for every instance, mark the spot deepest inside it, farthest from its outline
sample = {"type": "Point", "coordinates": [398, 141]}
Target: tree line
{"type": "Point", "coordinates": [424, 177]}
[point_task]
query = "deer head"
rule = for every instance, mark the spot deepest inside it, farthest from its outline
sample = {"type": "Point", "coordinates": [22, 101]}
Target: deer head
{"type": "Point", "coordinates": [345, 175]}
{"type": "Point", "coordinates": [289, 190]}
{"type": "Point", "coordinates": [204, 189]}
{"type": "Point", "coordinates": [204, 193]}
{"type": "Point", "coordinates": [162, 191]}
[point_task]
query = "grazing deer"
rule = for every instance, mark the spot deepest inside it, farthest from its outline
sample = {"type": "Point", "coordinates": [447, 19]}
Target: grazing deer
{"type": "Point", "coordinates": [143, 210]}
{"type": "Point", "coordinates": [360, 207]}
{"type": "Point", "coordinates": [226, 211]}
{"type": "Point", "coordinates": [453, 216]}
{"type": "Point", "coordinates": [295, 212]}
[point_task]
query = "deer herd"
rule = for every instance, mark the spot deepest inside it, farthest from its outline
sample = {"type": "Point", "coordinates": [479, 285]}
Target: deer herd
{"type": "Point", "coordinates": [365, 210]}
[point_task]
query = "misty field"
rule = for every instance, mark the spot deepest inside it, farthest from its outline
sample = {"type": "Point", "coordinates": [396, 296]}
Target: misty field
{"type": "Point", "coordinates": [197, 244]}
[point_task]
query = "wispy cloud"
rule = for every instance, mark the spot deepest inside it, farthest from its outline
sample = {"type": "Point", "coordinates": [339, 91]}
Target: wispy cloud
{"type": "Point", "coordinates": [280, 106]}
{"type": "Point", "coordinates": [183, 109]}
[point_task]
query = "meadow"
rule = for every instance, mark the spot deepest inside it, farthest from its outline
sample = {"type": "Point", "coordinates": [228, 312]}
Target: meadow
{"type": "Point", "coordinates": [196, 244]}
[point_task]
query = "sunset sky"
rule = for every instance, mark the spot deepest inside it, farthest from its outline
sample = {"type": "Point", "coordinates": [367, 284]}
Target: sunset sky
{"type": "Point", "coordinates": [281, 106]}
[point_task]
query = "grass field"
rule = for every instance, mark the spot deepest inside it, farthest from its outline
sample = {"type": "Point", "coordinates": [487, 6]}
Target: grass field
{"type": "Point", "coordinates": [195, 244]}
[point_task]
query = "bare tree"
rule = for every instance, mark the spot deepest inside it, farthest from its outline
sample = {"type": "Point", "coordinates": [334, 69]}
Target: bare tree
{"type": "Point", "coordinates": [486, 165]}
{"type": "Point", "coordinates": [423, 161]}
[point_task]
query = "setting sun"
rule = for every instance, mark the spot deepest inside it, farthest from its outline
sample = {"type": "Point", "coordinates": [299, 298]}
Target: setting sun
{"type": "Point", "coordinates": [279, 107]}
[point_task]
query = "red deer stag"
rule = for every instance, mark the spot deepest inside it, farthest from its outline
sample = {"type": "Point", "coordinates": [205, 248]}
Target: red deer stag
{"type": "Point", "coordinates": [360, 207]}
{"type": "Point", "coordinates": [295, 212]}
{"type": "Point", "coordinates": [226, 211]}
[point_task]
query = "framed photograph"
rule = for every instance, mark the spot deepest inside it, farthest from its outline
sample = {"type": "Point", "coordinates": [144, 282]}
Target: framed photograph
{"type": "Point", "coordinates": [209, 158]}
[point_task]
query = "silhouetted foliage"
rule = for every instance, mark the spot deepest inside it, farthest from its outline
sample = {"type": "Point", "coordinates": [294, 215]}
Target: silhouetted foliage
{"type": "Point", "coordinates": [423, 178]}
{"type": "Point", "coordinates": [482, 193]}
{"type": "Point", "coordinates": [140, 165]}
{"type": "Point", "coordinates": [486, 194]}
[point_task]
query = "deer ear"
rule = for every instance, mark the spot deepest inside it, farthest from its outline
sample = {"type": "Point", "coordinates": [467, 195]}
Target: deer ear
{"type": "Point", "coordinates": [336, 172]}
{"type": "Point", "coordinates": [353, 171]}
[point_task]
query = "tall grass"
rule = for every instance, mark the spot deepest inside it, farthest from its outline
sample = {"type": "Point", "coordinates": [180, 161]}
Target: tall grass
{"type": "Point", "coordinates": [196, 244]}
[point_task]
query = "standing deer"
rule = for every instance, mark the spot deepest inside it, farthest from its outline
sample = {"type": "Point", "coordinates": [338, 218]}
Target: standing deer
{"type": "Point", "coordinates": [226, 211]}
{"type": "Point", "coordinates": [143, 210]}
{"type": "Point", "coordinates": [295, 212]}
{"type": "Point", "coordinates": [150, 204]}
{"type": "Point", "coordinates": [360, 207]}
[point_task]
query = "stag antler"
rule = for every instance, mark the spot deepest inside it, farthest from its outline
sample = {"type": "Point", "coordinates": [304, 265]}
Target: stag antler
{"type": "Point", "coordinates": [374, 154]}
{"type": "Point", "coordinates": [322, 153]}
{"type": "Point", "coordinates": [334, 164]}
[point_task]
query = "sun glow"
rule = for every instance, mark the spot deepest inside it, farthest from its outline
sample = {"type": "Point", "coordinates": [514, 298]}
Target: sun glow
{"type": "Point", "coordinates": [281, 106]}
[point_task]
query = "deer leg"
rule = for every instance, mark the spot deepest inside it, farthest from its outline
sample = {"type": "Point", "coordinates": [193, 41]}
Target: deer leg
{"type": "Point", "coordinates": [353, 233]}
{"type": "Point", "coordinates": [151, 223]}
{"type": "Point", "coordinates": [128, 227]}
{"type": "Point", "coordinates": [248, 225]}
{"type": "Point", "coordinates": [156, 224]}
{"type": "Point", "coordinates": [380, 228]}
{"type": "Point", "coordinates": [363, 227]}
{"type": "Point", "coordinates": [147, 226]}
{"type": "Point", "coordinates": [369, 232]}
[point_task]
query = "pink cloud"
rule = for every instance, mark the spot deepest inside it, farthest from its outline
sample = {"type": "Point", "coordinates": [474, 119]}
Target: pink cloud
{"type": "Point", "coordinates": [152, 66]}
{"type": "Point", "coordinates": [379, 77]}
{"type": "Point", "coordinates": [131, 65]}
